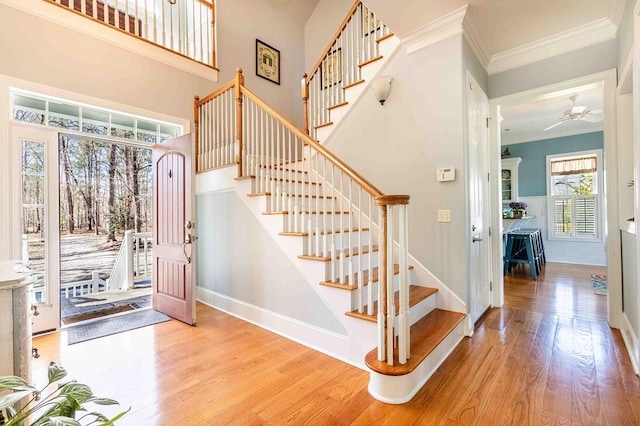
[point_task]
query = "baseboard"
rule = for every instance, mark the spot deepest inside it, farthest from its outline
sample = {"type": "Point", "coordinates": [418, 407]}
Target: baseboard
{"type": "Point", "coordinates": [631, 342]}
{"type": "Point", "coordinates": [329, 343]}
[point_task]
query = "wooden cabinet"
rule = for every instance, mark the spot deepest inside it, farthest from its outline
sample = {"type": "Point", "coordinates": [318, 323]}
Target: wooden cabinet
{"type": "Point", "coordinates": [509, 179]}
{"type": "Point", "coordinates": [15, 322]}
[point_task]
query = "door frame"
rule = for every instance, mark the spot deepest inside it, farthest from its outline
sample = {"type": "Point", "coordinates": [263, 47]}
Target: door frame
{"type": "Point", "coordinates": [472, 84]}
{"type": "Point", "coordinates": [608, 79]}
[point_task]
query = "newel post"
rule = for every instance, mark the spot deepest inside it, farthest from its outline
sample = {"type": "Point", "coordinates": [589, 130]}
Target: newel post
{"type": "Point", "coordinates": [196, 131]}
{"type": "Point", "coordinates": [239, 82]}
{"type": "Point", "coordinates": [304, 89]}
{"type": "Point", "coordinates": [386, 305]}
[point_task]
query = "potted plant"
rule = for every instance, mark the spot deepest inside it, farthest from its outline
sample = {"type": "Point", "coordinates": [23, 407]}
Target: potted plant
{"type": "Point", "coordinates": [519, 209]}
{"type": "Point", "coordinates": [59, 407]}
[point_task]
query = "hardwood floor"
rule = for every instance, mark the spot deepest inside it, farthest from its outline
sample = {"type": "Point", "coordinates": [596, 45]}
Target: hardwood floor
{"type": "Point", "coordinates": [547, 357]}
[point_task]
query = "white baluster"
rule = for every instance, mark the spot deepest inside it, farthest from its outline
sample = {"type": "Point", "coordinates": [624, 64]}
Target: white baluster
{"type": "Point", "coordinates": [310, 237]}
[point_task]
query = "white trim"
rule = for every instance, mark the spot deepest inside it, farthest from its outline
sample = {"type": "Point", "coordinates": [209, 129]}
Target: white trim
{"type": "Point", "coordinates": [435, 31]}
{"type": "Point", "coordinates": [616, 12]}
{"type": "Point", "coordinates": [306, 334]}
{"type": "Point", "coordinates": [559, 134]}
{"type": "Point", "coordinates": [75, 22]}
{"type": "Point", "coordinates": [477, 44]}
{"type": "Point", "coordinates": [631, 342]}
{"type": "Point", "coordinates": [567, 41]}
{"type": "Point", "coordinates": [625, 79]}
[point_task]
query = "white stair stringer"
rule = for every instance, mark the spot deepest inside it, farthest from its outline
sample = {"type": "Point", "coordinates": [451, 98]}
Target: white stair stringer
{"type": "Point", "coordinates": [388, 48]}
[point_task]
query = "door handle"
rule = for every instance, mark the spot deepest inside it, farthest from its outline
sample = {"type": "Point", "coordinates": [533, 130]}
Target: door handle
{"type": "Point", "coordinates": [476, 239]}
{"type": "Point", "coordinates": [187, 240]}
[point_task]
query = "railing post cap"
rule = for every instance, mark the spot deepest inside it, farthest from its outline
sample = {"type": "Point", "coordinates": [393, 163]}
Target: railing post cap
{"type": "Point", "coordinates": [392, 200]}
{"type": "Point", "coordinates": [196, 97]}
{"type": "Point", "coordinates": [239, 70]}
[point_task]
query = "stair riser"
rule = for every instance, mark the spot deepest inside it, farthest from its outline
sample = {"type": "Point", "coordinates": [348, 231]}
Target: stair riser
{"type": "Point", "coordinates": [300, 222]}
{"type": "Point", "coordinates": [340, 240]}
{"type": "Point", "coordinates": [280, 203]}
{"type": "Point", "coordinates": [296, 188]}
{"type": "Point", "coordinates": [375, 285]}
{"type": "Point", "coordinates": [355, 262]}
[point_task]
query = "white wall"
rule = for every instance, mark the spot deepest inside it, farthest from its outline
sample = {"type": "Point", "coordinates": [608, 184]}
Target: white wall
{"type": "Point", "coordinates": [238, 259]}
{"type": "Point", "coordinates": [280, 25]}
{"type": "Point", "coordinates": [399, 146]}
{"type": "Point", "coordinates": [320, 27]}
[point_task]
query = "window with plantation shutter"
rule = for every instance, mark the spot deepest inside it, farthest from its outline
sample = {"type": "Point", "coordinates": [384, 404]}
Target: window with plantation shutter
{"type": "Point", "coordinates": [574, 198]}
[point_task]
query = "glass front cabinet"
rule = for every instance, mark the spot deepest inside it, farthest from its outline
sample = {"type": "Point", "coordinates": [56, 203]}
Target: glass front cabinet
{"type": "Point", "coordinates": [509, 179]}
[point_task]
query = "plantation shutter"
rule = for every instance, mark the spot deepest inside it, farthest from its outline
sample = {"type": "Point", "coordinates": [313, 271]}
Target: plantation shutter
{"type": "Point", "coordinates": [585, 216]}
{"type": "Point", "coordinates": [562, 217]}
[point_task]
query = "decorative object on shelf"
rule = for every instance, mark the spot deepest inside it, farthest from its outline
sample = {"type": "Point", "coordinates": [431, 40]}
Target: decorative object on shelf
{"type": "Point", "coordinates": [519, 209]}
{"type": "Point", "coordinates": [505, 153]}
{"type": "Point", "coordinates": [267, 62]}
{"type": "Point", "coordinates": [62, 403]}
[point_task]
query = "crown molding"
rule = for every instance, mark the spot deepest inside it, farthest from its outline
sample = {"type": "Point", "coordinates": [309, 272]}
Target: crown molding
{"type": "Point", "coordinates": [579, 37]}
{"type": "Point", "coordinates": [435, 31]}
{"type": "Point", "coordinates": [454, 23]}
{"type": "Point", "coordinates": [616, 12]}
{"type": "Point", "coordinates": [555, 135]}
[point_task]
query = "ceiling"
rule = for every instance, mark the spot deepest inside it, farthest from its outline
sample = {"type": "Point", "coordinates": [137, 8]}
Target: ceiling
{"type": "Point", "coordinates": [526, 122]}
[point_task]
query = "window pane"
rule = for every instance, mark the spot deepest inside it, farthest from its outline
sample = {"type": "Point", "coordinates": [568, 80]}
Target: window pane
{"type": "Point", "coordinates": [28, 109]}
{"type": "Point", "coordinates": [585, 217]}
{"type": "Point", "coordinates": [122, 127]}
{"type": "Point", "coordinates": [562, 217]}
{"type": "Point", "coordinates": [64, 116]}
{"type": "Point", "coordinates": [584, 183]}
{"type": "Point", "coordinates": [94, 121]}
{"type": "Point", "coordinates": [147, 131]}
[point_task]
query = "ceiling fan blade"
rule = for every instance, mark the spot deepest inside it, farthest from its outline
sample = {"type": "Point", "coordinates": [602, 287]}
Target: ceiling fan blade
{"type": "Point", "coordinates": [553, 125]}
{"type": "Point", "coordinates": [578, 109]}
{"type": "Point", "coordinates": [591, 118]}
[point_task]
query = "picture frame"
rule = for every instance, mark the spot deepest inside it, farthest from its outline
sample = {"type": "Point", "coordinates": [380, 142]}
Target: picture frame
{"type": "Point", "coordinates": [267, 62]}
{"type": "Point", "coordinates": [370, 22]}
{"type": "Point", "coordinates": [332, 69]}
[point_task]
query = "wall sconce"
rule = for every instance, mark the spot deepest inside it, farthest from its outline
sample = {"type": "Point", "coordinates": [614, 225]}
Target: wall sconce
{"type": "Point", "coordinates": [381, 87]}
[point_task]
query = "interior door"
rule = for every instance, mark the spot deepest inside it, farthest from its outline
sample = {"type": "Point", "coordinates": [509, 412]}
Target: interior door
{"type": "Point", "coordinates": [173, 270]}
{"type": "Point", "coordinates": [478, 147]}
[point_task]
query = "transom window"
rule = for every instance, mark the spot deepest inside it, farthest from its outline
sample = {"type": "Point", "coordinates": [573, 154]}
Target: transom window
{"type": "Point", "coordinates": [574, 195]}
{"type": "Point", "coordinates": [53, 112]}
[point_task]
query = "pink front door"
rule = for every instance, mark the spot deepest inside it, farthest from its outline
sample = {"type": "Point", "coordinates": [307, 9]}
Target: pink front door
{"type": "Point", "coordinates": [173, 287]}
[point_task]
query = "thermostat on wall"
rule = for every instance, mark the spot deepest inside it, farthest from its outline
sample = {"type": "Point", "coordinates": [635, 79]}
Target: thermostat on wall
{"type": "Point", "coordinates": [446, 175]}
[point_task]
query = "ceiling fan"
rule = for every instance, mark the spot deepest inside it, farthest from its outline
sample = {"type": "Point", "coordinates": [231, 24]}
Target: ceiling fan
{"type": "Point", "coordinates": [578, 113]}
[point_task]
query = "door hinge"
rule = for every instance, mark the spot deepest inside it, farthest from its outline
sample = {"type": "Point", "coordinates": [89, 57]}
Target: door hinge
{"type": "Point", "coordinates": [488, 177]}
{"type": "Point", "coordinates": [488, 121]}
{"type": "Point", "coordinates": [489, 231]}
{"type": "Point", "coordinates": [490, 285]}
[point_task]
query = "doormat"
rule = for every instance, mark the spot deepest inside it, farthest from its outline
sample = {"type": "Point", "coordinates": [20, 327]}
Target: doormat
{"type": "Point", "coordinates": [83, 332]}
{"type": "Point", "coordinates": [599, 283]}
{"type": "Point", "coordinates": [98, 314]}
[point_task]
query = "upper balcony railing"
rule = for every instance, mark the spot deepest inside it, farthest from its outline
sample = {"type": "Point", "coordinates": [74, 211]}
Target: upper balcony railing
{"type": "Point", "coordinates": [185, 27]}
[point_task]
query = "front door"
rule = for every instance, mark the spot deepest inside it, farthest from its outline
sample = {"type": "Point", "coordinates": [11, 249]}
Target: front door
{"type": "Point", "coordinates": [479, 272]}
{"type": "Point", "coordinates": [173, 280]}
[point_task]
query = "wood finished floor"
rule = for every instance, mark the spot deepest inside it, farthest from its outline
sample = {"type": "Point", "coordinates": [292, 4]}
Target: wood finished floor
{"type": "Point", "coordinates": [546, 357]}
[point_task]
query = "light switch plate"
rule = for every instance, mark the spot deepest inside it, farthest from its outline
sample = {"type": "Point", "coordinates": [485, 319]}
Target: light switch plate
{"type": "Point", "coordinates": [444, 216]}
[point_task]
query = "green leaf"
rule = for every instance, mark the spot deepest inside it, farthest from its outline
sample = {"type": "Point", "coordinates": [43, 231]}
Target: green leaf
{"type": "Point", "coordinates": [79, 392]}
{"type": "Point", "coordinates": [103, 401]}
{"type": "Point", "coordinates": [10, 382]}
{"type": "Point", "coordinates": [56, 372]}
{"type": "Point", "coordinates": [63, 421]}
{"type": "Point", "coordinates": [113, 420]}
{"type": "Point", "coordinates": [11, 412]}
{"type": "Point", "coordinates": [12, 398]}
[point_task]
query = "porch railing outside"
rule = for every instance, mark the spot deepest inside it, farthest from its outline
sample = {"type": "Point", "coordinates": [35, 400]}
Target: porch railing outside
{"type": "Point", "coordinates": [134, 261]}
{"type": "Point", "coordinates": [354, 45]}
{"type": "Point", "coordinates": [185, 27]}
{"type": "Point", "coordinates": [314, 188]}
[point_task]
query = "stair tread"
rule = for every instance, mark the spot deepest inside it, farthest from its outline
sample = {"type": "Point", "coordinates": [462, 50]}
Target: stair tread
{"type": "Point", "coordinates": [365, 279]}
{"type": "Point", "coordinates": [319, 126]}
{"type": "Point", "coordinates": [416, 295]}
{"type": "Point", "coordinates": [284, 169]}
{"type": "Point", "coordinates": [305, 212]}
{"type": "Point", "coordinates": [341, 104]}
{"type": "Point", "coordinates": [259, 194]}
{"type": "Point", "coordinates": [384, 37]}
{"type": "Point", "coordinates": [355, 83]}
{"type": "Point", "coordinates": [330, 231]}
{"type": "Point", "coordinates": [354, 252]}
{"type": "Point", "coordinates": [426, 335]}
{"type": "Point", "coordinates": [377, 58]}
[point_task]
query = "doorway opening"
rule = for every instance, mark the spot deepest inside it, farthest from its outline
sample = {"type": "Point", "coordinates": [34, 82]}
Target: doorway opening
{"type": "Point", "coordinates": [578, 227]}
{"type": "Point", "coordinates": [105, 227]}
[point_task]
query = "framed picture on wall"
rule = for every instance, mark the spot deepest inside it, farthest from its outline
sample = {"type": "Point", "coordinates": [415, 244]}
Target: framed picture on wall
{"type": "Point", "coordinates": [332, 69]}
{"type": "Point", "coordinates": [267, 62]}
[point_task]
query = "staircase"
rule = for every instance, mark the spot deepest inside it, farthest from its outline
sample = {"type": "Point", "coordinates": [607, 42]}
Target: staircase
{"type": "Point", "coordinates": [347, 238]}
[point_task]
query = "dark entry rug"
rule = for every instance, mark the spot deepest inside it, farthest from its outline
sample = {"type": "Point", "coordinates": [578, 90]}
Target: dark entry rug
{"type": "Point", "coordinates": [83, 332]}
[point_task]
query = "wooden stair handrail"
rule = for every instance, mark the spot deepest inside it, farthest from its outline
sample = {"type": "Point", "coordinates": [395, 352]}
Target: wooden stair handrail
{"type": "Point", "coordinates": [357, 177]}
{"type": "Point", "coordinates": [327, 49]}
